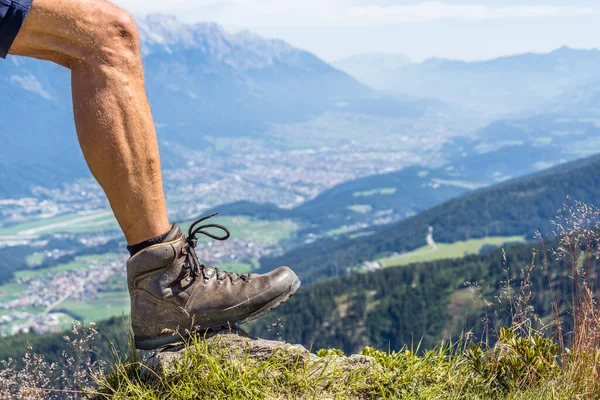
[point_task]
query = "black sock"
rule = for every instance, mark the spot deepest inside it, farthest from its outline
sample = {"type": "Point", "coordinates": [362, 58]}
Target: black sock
{"type": "Point", "coordinates": [136, 248]}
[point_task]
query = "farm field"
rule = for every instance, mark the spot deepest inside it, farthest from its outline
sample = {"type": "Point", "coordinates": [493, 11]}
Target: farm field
{"type": "Point", "coordinates": [108, 304]}
{"type": "Point", "coordinates": [361, 208]}
{"type": "Point", "coordinates": [445, 251]}
{"type": "Point", "coordinates": [38, 273]}
{"type": "Point", "coordinates": [97, 221]}
{"type": "Point", "coordinates": [11, 291]}
{"type": "Point", "coordinates": [242, 228]}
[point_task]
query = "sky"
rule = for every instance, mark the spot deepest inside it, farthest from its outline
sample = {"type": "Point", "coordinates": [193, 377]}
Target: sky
{"type": "Point", "coordinates": [458, 29]}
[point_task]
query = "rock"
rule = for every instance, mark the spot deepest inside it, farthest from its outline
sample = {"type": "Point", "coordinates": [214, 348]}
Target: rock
{"type": "Point", "coordinates": [236, 345]}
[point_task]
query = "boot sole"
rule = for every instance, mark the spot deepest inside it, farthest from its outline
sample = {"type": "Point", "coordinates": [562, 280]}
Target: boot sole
{"type": "Point", "coordinates": [157, 343]}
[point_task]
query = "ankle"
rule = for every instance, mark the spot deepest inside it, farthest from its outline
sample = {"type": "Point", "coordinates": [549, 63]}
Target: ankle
{"type": "Point", "coordinates": [136, 248]}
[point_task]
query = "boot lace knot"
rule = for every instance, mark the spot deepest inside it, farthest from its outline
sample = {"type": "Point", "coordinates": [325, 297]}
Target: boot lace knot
{"type": "Point", "coordinates": [204, 271]}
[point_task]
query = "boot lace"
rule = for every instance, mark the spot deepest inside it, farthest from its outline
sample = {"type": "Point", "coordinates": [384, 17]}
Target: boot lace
{"type": "Point", "coordinates": [204, 271]}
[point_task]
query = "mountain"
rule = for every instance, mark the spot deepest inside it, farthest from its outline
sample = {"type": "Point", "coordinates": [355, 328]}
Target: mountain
{"type": "Point", "coordinates": [363, 66]}
{"type": "Point", "coordinates": [37, 128]}
{"type": "Point", "coordinates": [515, 147]}
{"type": "Point", "coordinates": [582, 102]}
{"type": "Point", "coordinates": [517, 207]}
{"type": "Point", "coordinates": [201, 80]}
{"type": "Point", "coordinates": [494, 87]}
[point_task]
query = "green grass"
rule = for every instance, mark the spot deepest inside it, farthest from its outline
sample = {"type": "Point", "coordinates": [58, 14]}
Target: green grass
{"type": "Point", "coordinates": [80, 263]}
{"type": "Point", "coordinates": [361, 208]}
{"type": "Point", "coordinates": [367, 193]}
{"type": "Point", "coordinates": [521, 366]}
{"type": "Point", "coordinates": [96, 221]}
{"type": "Point", "coordinates": [340, 231]}
{"type": "Point", "coordinates": [100, 225]}
{"type": "Point", "coordinates": [34, 259]}
{"type": "Point", "coordinates": [107, 305]}
{"type": "Point", "coordinates": [37, 223]}
{"type": "Point", "coordinates": [243, 228]}
{"type": "Point", "coordinates": [361, 234]}
{"type": "Point", "coordinates": [447, 251]}
{"type": "Point", "coordinates": [48, 271]}
{"type": "Point", "coordinates": [459, 184]}
{"type": "Point", "coordinates": [11, 291]}
{"type": "Point", "coordinates": [253, 230]}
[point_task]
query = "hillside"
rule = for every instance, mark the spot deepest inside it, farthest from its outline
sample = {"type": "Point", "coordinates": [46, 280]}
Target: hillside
{"type": "Point", "coordinates": [517, 207]}
{"type": "Point", "coordinates": [397, 306]}
{"type": "Point", "coordinates": [485, 308]}
{"type": "Point", "coordinates": [351, 204]}
{"type": "Point", "coordinates": [514, 147]}
{"type": "Point", "coordinates": [581, 101]}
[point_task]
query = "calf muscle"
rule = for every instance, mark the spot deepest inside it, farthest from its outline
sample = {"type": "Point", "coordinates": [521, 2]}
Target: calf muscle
{"type": "Point", "coordinates": [99, 43]}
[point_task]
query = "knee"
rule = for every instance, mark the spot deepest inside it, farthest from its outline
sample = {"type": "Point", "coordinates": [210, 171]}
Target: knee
{"type": "Point", "coordinates": [112, 36]}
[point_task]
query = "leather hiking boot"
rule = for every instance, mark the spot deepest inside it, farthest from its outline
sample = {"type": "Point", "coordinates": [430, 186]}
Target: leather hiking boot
{"type": "Point", "coordinates": [174, 295]}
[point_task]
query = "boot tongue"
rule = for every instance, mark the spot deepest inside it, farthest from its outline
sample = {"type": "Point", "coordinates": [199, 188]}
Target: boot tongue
{"type": "Point", "coordinates": [173, 234]}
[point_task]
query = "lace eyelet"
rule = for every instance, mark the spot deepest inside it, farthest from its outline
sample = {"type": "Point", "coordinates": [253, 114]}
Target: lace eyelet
{"type": "Point", "coordinates": [220, 283]}
{"type": "Point", "coordinates": [205, 280]}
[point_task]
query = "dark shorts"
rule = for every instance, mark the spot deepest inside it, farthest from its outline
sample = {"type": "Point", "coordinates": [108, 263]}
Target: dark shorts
{"type": "Point", "coordinates": [12, 16]}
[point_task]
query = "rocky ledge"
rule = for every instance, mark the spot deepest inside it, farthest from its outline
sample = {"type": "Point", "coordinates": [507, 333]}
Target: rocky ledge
{"type": "Point", "coordinates": [235, 344]}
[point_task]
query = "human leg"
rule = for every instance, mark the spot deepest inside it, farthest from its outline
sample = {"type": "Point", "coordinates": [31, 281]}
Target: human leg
{"type": "Point", "coordinates": [99, 43]}
{"type": "Point", "coordinates": [171, 291]}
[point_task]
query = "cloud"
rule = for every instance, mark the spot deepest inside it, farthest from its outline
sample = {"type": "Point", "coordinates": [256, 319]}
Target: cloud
{"type": "Point", "coordinates": [252, 13]}
{"type": "Point", "coordinates": [31, 84]}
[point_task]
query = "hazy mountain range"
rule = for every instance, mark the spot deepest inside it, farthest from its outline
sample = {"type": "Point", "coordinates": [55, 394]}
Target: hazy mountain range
{"type": "Point", "coordinates": [495, 87]}
{"type": "Point", "coordinates": [201, 80]}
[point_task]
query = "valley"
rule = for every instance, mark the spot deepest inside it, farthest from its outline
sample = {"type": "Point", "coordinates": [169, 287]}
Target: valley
{"type": "Point", "coordinates": [385, 199]}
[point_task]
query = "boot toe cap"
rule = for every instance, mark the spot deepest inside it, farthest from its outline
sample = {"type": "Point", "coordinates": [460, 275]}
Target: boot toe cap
{"type": "Point", "coordinates": [283, 277]}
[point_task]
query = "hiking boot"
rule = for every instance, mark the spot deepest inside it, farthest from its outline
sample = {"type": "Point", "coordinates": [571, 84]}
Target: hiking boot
{"type": "Point", "coordinates": [174, 295]}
